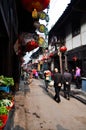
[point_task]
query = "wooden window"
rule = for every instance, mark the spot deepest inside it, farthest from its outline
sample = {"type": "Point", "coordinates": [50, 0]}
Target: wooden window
{"type": "Point", "coordinates": [75, 28]}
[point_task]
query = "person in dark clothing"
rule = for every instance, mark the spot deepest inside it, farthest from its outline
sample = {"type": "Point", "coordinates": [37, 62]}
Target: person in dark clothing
{"type": "Point", "coordinates": [57, 77]}
{"type": "Point", "coordinates": [67, 78]}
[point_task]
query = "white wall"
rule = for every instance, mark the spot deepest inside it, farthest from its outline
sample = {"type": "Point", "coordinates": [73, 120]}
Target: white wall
{"type": "Point", "coordinates": [76, 41]}
{"type": "Point", "coordinates": [79, 40]}
{"type": "Point", "coordinates": [83, 36]}
{"type": "Point", "coordinates": [68, 37]}
{"type": "Point", "coordinates": [83, 31]}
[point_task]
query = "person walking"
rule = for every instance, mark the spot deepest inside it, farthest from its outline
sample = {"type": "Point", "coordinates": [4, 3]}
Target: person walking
{"type": "Point", "coordinates": [57, 77]}
{"type": "Point", "coordinates": [67, 78]}
{"type": "Point", "coordinates": [47, 75]}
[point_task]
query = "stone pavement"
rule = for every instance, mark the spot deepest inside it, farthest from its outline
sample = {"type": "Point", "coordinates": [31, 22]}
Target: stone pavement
{"type": "Point", "coordinates": [79, 94]}
{"type": "Point", "coordinates": [14, 120]}
{"type": "Point", "coordinates": [20, 99]}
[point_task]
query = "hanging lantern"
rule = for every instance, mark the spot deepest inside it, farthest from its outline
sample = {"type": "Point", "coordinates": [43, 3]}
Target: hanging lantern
{"type": "Point", "coordinates": [42, 28]}
{"type": "Point", "coordinates": [41, 41]}
{"type": "Point", "coordinates": [63, 49]}
{"type": "Point", "coordinates": [31, 45]}
{"type": "Point", "coordinates": [36, 24]}
{"type": "Point", "coordinates": [39, 5]}
{"type": "Point", "coordinates": [42, 15]}
{"type": "Point", "coordinates": [74, 58]}
{"type": "Point", "coordinates": [34, 13]}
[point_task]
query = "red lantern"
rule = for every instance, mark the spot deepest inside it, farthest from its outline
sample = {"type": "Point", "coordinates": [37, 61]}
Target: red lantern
{"type": "Point", "coordinates": [39, 5]}
{"type": "Point", "coordinates": [31, 46]}
{"type": "Point", "coordinates": [33, 43]}
{"type": "Point", "coordinates": [63, 49]}
{"type": "Point", "coordinates": [74, 58]}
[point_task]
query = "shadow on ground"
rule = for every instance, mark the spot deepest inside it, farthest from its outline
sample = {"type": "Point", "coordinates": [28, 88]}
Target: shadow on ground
{"type": "Point", "coordinates": [59, 127]}
{"type": "Point", "coordinates": [18, 128]}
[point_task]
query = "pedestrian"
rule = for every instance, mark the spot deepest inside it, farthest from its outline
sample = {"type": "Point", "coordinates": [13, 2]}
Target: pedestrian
{"type": "Point", "coordinates": [57, 77]}
{"type": "Point", "coordinates": [47, 75]}
{"type": "Point", "coordinates": [78, 77]}
{"type": "Point", "coordinates": [36, 75]}
{"type": "Point", "coordinates": [34, 72]}
{"type": "Point", "coordinates": [67, 78]}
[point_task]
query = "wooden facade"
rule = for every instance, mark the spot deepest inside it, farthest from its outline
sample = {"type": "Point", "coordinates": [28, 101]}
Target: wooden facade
{"type": "Point", "coordinates": [70, 30]}
{"type": "Point", "coordinates": [13, 21]}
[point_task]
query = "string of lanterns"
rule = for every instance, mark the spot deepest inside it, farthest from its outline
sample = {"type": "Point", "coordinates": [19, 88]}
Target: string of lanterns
{"type": "Point", "coordinates": [37, 7]}
{"type": "Point", "coordinates": [42, 41]}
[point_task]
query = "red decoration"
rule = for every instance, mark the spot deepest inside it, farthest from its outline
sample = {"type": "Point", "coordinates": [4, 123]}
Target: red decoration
{"type": "Point", "coordinates": [74, 58]}
{"type": "Point", "coordinates": [44, 58]}
{"type": "Point", "coordinates": [51, 55]}
{"type": "Point", "coordinates": [39, 5]}
{"type": "Point", "coordinates": [10, 107]}
{"type": "Point", "coordinates": [63, 49]}
{"type": "Point", "coordinates": [4, 119]}
{"type": "Point", "coordinates": [31, 46]}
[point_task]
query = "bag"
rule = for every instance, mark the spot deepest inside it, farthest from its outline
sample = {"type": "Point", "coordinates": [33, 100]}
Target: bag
{"type": "Point", "coordinates": [67, 83]}
{"type": "Point", "coordinates": [47, 78]}
{"type": "Point", "coordinates": [59, 84]}
{"type": "Point", "coordinates": [51, 83]}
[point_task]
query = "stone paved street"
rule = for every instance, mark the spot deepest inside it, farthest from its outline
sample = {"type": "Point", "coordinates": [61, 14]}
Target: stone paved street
{"type": "Point", "coordinates": [35, 109]}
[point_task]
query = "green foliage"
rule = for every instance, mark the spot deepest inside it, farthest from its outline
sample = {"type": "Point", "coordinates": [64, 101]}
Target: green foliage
{"type": "Point", "coordinates": [7, 81]}
{"type": "Point", "coordinates": [3, 110]}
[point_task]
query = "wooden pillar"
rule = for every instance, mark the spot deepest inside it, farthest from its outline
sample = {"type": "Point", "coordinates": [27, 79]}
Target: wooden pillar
{"type": "Point", "coordinates": [60, 61]}
{"type": "Point", "coordinates": [66, 65]}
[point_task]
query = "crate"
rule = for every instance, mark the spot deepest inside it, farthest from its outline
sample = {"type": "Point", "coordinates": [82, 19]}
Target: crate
{"type": "Point", "coordinates": [5, 88]}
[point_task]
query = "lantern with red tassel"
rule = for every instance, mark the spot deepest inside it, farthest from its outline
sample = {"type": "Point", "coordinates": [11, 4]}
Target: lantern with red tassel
{"type": "Point", "coordinates": [39, 5]}
{"type": "Point", "coordinates": [63, 49]}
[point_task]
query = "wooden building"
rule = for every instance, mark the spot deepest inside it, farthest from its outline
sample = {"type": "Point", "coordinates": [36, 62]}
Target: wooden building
{"type": "Point", "coordinates": [70, 30]}
{"type": "Point", "coordinates": [14, 20]}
